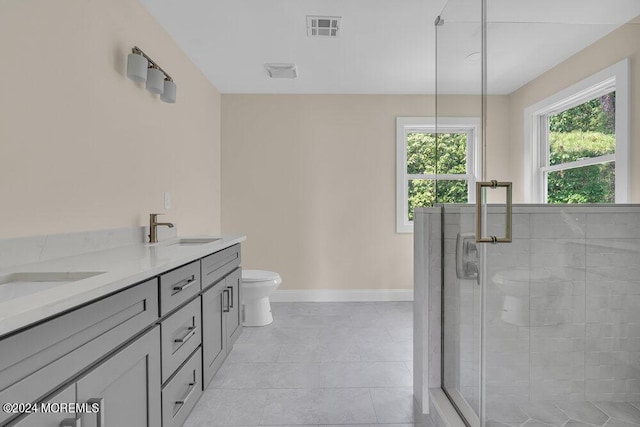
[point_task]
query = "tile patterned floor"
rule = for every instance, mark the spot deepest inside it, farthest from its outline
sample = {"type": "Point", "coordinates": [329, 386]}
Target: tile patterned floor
{"type": "Point", "coordinates": [318, 364]}
{"type": "Point", "coordinates": [337, 364]}
{"type": "Point", "coordinates": [565, 414]}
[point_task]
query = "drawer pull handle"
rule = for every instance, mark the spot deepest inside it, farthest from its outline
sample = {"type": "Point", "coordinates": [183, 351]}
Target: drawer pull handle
{"type": "Point", "coordinates": [231, 297]}
{"type": "Point", "coordinates": [100, 414]}
{"type": "Point", "coordinates": [179, 287]}
{"type": "Point", "coordinates": [190, 390]}
{"type": "Point", "coordinates": [70, 422]}
{"type": "Point", "coordinates": [226, 309]}
{"type": "Point", "coordinates": [191, 331]}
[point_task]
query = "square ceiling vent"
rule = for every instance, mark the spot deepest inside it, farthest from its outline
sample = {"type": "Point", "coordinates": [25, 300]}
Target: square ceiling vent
{"type": "Point", "coordinates": [323, 26]}
{"type": "Point", "coordinates": [282, 71]}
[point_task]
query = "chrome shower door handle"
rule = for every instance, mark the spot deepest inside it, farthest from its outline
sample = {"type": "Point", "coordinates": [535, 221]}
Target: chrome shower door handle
{"type": "Point", "coordinates": [507, 238]}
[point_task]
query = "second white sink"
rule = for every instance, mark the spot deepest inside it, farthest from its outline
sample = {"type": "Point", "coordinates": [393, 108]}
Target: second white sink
{"type": "Point", "coordinates": [192, 241]}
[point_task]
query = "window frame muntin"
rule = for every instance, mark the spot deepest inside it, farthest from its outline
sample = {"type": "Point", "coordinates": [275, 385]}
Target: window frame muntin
{"type": "Point", "coordinates": [536, 155]}
{"type": "Point", "coordinates": [406, 125]}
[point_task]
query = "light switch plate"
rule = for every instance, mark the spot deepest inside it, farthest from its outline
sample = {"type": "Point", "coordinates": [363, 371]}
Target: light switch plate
{"type": "Point", "coordinates": [167, 200]}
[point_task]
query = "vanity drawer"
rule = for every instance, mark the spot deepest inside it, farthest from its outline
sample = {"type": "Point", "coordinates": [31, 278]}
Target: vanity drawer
{"type": "Point", "coordinates": [178, 286]}
{"type": "Point", "coordinates": [180, 335]}
{"type": "Point", "coordinates": [180, 394]}
{"type": "Point", "coordinates": [219, 264]}
{"type": "Point", "coordinates": [36, 361]}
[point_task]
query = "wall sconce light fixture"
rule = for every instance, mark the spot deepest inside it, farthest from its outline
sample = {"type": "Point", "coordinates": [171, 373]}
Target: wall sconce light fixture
{"type": "Point", "coordinates": [141, 68]}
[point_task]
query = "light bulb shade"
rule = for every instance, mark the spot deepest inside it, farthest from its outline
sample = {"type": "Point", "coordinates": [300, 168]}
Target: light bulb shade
{"type": "Point", "coordinates": [137, 67]}
{"type": "Point", "coordinates": [155, 80]}
{"type": "Point", "coordinates": [169, 94]}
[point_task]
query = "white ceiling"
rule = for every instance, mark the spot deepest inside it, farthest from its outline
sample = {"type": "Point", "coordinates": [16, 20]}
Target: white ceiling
{"type": "Point", "coordinates": [385, 46]}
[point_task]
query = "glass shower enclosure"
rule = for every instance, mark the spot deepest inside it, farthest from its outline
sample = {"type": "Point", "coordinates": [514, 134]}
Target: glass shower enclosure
{"type": "Point", "coordinates": [542, 325]}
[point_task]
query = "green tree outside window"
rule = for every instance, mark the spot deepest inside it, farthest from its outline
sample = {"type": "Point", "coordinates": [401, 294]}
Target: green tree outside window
{"type": "Point", "coordinates": [584, 131]}
{"type": "Point", "coordinates": [444, 153]}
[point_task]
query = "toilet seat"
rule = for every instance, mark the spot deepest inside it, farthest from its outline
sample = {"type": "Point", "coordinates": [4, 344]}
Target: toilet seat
{"type": "Point", "coordinates": [259, 275]}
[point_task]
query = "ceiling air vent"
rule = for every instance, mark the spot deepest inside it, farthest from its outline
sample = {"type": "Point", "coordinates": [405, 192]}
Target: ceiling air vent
{"type": "Point", "coordinates": [323, 26]}
{"type": "Point", "coordinates": [282, 71]}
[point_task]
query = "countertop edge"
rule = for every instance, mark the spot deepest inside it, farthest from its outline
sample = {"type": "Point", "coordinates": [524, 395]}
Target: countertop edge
{"type": "Point", "coordinates": [21, 313]}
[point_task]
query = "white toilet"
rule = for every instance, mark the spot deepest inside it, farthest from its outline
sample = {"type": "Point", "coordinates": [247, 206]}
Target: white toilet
{"type": "Point", "coordinates": [257, 286]}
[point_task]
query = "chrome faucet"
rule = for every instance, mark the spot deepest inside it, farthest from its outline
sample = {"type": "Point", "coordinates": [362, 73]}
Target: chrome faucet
{"type": "Point", "coordinates": [153, 227]}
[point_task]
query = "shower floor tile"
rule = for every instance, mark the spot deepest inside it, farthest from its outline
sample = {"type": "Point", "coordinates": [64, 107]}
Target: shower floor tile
{"type": "Point", "coordinates": [565, 414]}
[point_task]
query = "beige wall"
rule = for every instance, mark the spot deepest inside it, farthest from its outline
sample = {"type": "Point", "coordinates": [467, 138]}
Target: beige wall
{"type": "Point", "coordinates": [81, 146]}
{"type": "Point", "coordinates": [310, 179]}
{"type": "Point", "coordinates": [620, 44]}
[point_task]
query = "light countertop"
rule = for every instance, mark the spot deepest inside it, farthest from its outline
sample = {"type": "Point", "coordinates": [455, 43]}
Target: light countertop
{"type": "Point", "coordinates": [119, 268]}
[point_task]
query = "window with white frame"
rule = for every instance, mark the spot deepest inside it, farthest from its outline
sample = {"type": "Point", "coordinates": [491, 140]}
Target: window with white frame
{"type": "Point", "coordinates": [435, 164]}
{"type": "Point", "coordinates": [576, 142]}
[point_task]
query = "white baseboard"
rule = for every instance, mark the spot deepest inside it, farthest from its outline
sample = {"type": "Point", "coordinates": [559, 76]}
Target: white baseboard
{"type": "Point", "coordinates": [342, 295]}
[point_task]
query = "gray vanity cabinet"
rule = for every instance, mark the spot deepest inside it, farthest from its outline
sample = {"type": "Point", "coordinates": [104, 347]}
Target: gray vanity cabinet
{"type": "Point", "coordinates": [142, 355]}
{"type": "Point", "coordinates": [221, 323]}
{"type": "Point", "coordinates": [41, 359]}
{"type": "Point", "coordinates": [234, 312]}
{"type": "Point", "coordinates": [214, 332]}
{"type": "Point", "coordinates": [51, 419]}
{"type": "Point", "coordinates": [126, 386]}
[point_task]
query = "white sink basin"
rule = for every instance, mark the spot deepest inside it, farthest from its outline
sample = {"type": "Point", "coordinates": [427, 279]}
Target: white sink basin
{"type": "Point", "coordinates": [17, 285]}
{"type": "Point", "coordinates": [194, 241]}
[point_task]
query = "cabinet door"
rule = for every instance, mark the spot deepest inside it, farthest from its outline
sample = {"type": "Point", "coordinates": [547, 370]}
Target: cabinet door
{"type": "Point", "coordinates": [214, 338]}
{"type": "Point", "coordinates": [126, 386]}
{"type": "Point", "coordinates": [50, 419]}
{"type": "Point", "coordinates": [234, 315]}
{"type": "Point", "coordinates": [35, 362]}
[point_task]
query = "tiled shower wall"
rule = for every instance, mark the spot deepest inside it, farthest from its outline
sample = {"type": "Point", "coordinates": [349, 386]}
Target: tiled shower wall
{"type": "Point", "coordinates": [561, 306]}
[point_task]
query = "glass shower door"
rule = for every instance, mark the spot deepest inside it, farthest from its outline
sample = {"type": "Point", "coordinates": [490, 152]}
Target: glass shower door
{"type": "Point", "coordinates": [560, 301]}
{"type": "Point", "coordinates": [459, 94]}
{"type": "Point", "coordinates": [542, 330]}
{"type": "Point", "coordinates": [468, 229]}
{"type": "Point", "coordinates": [462, 313]}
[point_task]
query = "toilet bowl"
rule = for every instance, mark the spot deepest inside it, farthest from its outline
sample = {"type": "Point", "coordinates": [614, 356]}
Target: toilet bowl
{"type": "Point", "coordinates": [257, 286]}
